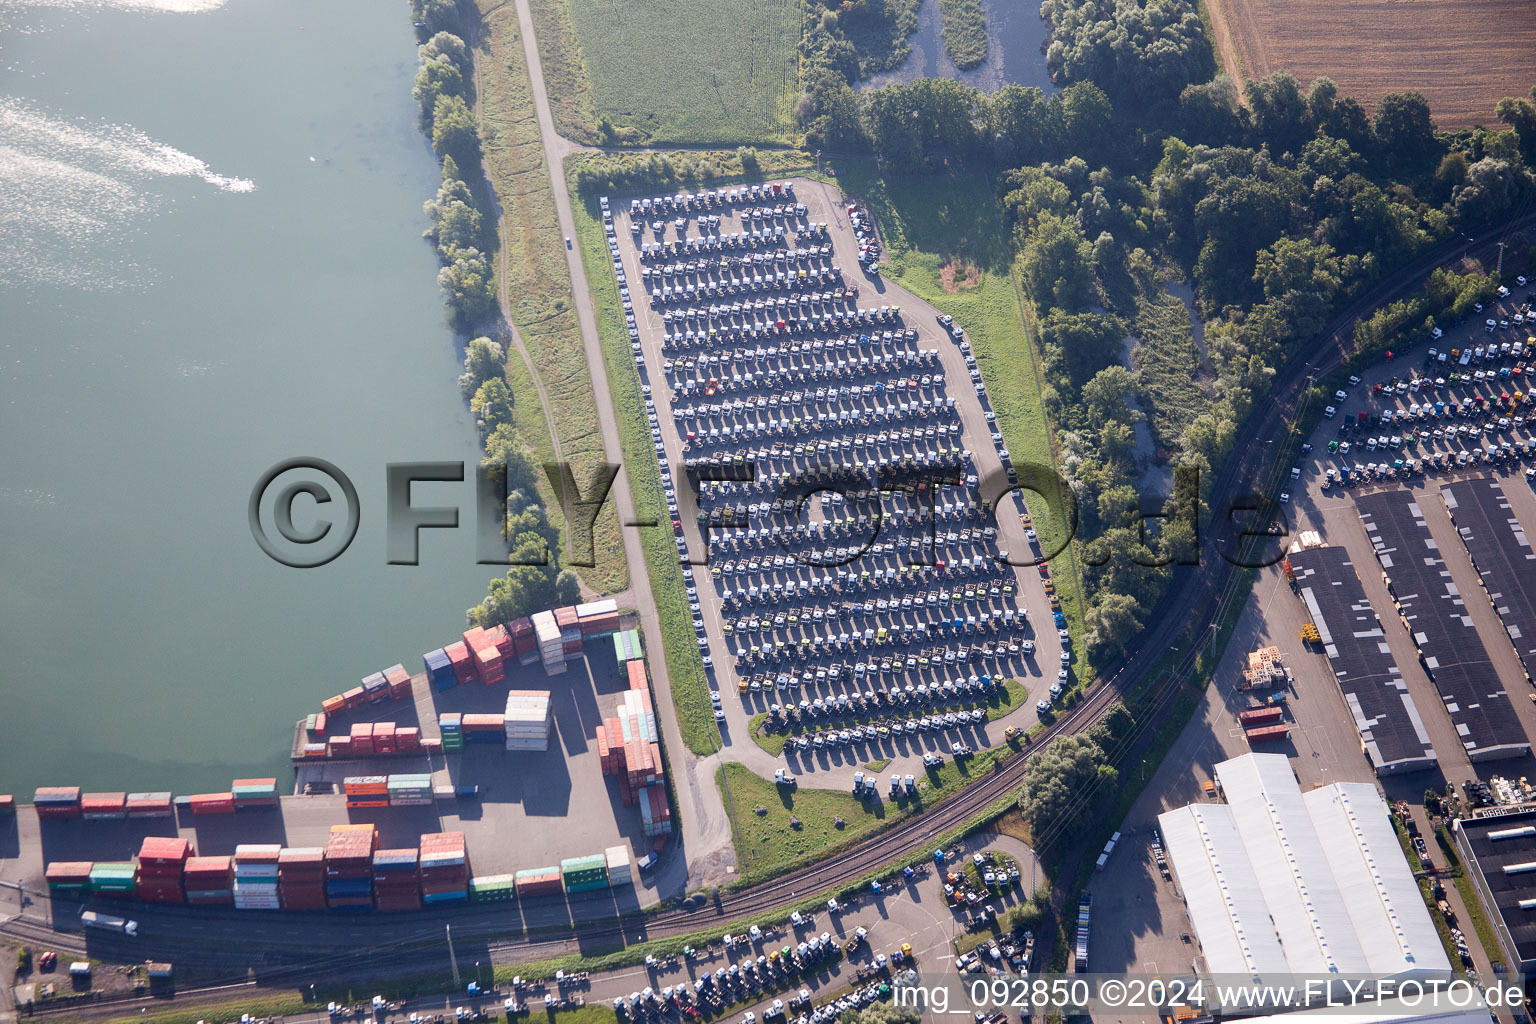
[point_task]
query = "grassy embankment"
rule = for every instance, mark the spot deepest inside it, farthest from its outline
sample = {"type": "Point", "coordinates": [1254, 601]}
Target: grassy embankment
{"type": "Point", "coordinates": [949, 229]}
{"type": "Point", "coordinates": [538, 286]}
{"type": "Point", "coordinates": [691, 72]}
{"type": "Point", "coordinates": [690, 692]}
{"type": "Point", "coordinates": [1005, 701]}
{"type": "Point", "coordinates": [965, 32]}
{"type": "Point", "coordinates": [772, 843]}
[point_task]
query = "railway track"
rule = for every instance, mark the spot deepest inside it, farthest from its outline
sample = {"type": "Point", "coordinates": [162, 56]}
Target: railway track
{"type": "Point", "coordinates": [292, 949]}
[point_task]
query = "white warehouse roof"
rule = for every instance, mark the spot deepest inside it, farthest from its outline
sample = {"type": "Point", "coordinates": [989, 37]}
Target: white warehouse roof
{"type": "Point", "coordinates": [1280, 882]}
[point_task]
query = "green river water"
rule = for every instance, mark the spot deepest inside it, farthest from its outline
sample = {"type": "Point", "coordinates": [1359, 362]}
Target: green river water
{"type": "Point", "coordinates": [210, 260]}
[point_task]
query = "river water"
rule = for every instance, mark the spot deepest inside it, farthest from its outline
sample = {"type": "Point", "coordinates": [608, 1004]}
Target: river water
{"type": "Point", "coordinates": [1015, 36]}
{"type": "Point", "coordinates": [210, 260]}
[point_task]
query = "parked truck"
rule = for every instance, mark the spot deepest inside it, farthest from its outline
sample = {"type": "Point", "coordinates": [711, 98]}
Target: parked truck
{"type": "Point", "coordinates": [93, 919]}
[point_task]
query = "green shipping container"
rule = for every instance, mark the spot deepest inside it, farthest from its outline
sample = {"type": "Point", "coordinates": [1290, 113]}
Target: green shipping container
{"type": "Point", "coordinates": [492, 888]}
{"type": "Point", "coordinates": [112, 877]}
{"type": "Point", "coordinates": [593, 886]}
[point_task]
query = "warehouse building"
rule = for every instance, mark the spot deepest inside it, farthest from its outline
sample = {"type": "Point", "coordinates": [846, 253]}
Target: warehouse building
{"type": "Point", "coordinates": [1280, 882]}
{"type": "Point", "coordinates": [1500, 852]}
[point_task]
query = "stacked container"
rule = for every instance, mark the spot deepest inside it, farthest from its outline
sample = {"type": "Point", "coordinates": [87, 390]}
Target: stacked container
{"type": "Point", "coordinates": [339, 746]}
{"type": "Point", "coordinates": [355, 698]}
{"type": "Point", "coordinates": [148, 805]}
{"type": "Point", "coordinates": [334, 705]}
{"type": "Point", "coordinates": [384, 738]}
{"type": "Point", "coordinates": [620, 872]}
{"type": "Point", "coordinates": [397, 880]}
{"type": "Point", "coordinates": [626, 646]}
{"type": "Point", "coordinates": [501, 637]}
{"type": "Point", "coordinates": [527, 721]}
{"type": "Point", "coordinates": [212, 803]}
{"type": "Point", "coordinates": [349, 867]}
{"type": "Point", "coordinates": [410, 790]}
{"type": "Point", "coordinates": [635, 667]}
{"type": "Point", "coordinates": [207, 880]}
{"type": "Point", "coordinates": [57, 802]}
{"type": "Point", "coordinates": [547, 636]}
{"type": "Point", "coordinates": [375, 688]}
{"type": "Point", "coordinates": [362, 737]}
{"type": "Point", "coordinates": [70, 878]}
{"type": "Point", "coordinates": [256, 876]}
{"type": "Point", "coordinates": [451, 725]}
{"type": "Point", "coordinates": [570, 632]}
{"type": "Point", "coordinates": [444, 868]}
{"type": "Point", "coordinates": [598, 617]}
{"type": "Point", "coordinates": [484, 728]}
{"type": "Point", "coordinates": [538, 882]}
{"type": "Point", "coordinates": [113, 879]}
{"type": "Point", "coordinates": [399, 681]}
{"type": "Point", "coordinates": [162, 866]}
{"type": "Point", "coordinates": [301, 878]}
{"type": "Point", "coordinates": [366, 790]}
{"type": "Point", "coordinates": [252, 793]}
{"type": "Point", "coordinates": [525, 644]}
{"type": "Point", "coordinates": [485, 655]}
{"type": "Point", "coordinates": [407, 739]}
{"type": "Point", "coordinates": [584, 874]}
{"type": "Point", "coordinates": [655, 812]}
{"type": "Point", "coordinates": [492, 888]}
{"type": "Point", "coordinates": [104, 806]}
{"type": "Point", "coordinates": [463, 664]}
{"type": "Point", "coordinates": [439, 669]}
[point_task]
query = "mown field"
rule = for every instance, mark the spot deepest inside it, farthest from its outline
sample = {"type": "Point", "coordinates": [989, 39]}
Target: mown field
{"type": "Point", "coordinates": [538, 287]}
{"type": "Point", "coordinates": [685, 71]}
{"type": "Point", "coordinates": [1463, 58]}
{"type": "Point", "coordinates": [946, 243]}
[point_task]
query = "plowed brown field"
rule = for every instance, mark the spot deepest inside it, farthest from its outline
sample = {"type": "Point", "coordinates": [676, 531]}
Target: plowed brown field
{"type": "Point", "coordinates": [1463, 55]}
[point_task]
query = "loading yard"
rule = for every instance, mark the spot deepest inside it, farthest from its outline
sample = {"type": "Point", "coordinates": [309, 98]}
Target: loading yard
{"type": "Point", "coordinates": [1392, 733]}
{"type": "Point", "coordinates": [1435, 613]}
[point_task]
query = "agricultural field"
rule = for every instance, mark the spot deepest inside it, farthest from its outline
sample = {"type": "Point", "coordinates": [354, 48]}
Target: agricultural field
{"type": "Point", "coordinates": [689, 71]}
{"type": "Point", "coordinates": [1463, 59]}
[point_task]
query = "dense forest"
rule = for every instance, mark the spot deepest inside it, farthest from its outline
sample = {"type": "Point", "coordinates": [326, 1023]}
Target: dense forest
{"type": "Point", "coordinates": [1145, 170]}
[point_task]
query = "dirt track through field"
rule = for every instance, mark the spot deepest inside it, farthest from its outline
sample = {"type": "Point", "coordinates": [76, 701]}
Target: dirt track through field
{"type": "Point", "coordinates": [1463, 56]}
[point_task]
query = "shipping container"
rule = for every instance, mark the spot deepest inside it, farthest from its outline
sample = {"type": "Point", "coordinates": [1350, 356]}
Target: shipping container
{"type": "Point", "coordinates": [212, 803]}
{"type": "Point", "coordinates": [463, 666]}
{"type": "Point", "coordinates": [1261, 716]}
{"type": "Point", "coordinates": [103, 806]}
{"type": "Point", "coordinates": [1267, 732]}
{"type": "Point", "coordinates": [533, 882]}
{"type": "Point", "coordinates": [620, 871]}
{"type": "Point", "coordinates": [439, 669]}
{"type": "Point", "coordinates": [492, 888]}
{"type": "Point", "coordinates": [148, 805]}
{"type": "Point", "coordinates": [399, 681]}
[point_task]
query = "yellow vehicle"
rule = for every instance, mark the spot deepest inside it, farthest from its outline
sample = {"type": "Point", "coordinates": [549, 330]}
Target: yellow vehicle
{"type": "Point", "coordinates": [1011, 733]}
{"type": "Point", "coordinates": [1025, 519]}
{"type": "Point", "coordinates": [741, 686]}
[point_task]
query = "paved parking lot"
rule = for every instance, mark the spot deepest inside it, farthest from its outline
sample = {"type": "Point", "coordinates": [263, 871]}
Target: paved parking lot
{"type": "Point", "coordinates": [805, 411]}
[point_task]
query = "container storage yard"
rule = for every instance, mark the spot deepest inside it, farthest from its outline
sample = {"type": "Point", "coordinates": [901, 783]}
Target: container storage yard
{"type": "Point", "coordinates": [410, 792]}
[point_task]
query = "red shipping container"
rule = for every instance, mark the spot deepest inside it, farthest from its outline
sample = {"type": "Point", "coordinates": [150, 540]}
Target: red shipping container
{"type": "Point", "coordinates": [566, 619]}
{"type": "Point", "coordinates": [539, 885]}
{"type": "Point", "coordinates": [637, 679]}
{"type": "Point", "coordinates": [501, 636]}
{"type": "Point", "coordinates": [340, 746]}
{"type": "Point", "coordinates": [463, 665]}
{"type": "Point", "coordinates": [164, 851]}
{"type": "Point", "coordinates": [213, 803]}
{"type": "Point", "coordinates": [355, 697]}
{"type": "Point", "coordinates": [68, 870]}
{"type": "Point", "coordinates": [408, 739]}
{"type": "Point", "coordinates": [240, 783]}
{"type": "Point", "coordinates": [570, 647]}
{"type": "Point", "coordinates": [473, 637]}
{"type": "Point", "coordinates": [205, 868]}
{"type": "Point", "coordinates": [656, 768]}
{"type": "Point", "coordinates": [605, 623]}
{"type": "Point", "coordinates": [604, 758]}
{"type": "Point", "coordinates": [322, 720]}
{"type": "Point", "coordinates": [104, 803]}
